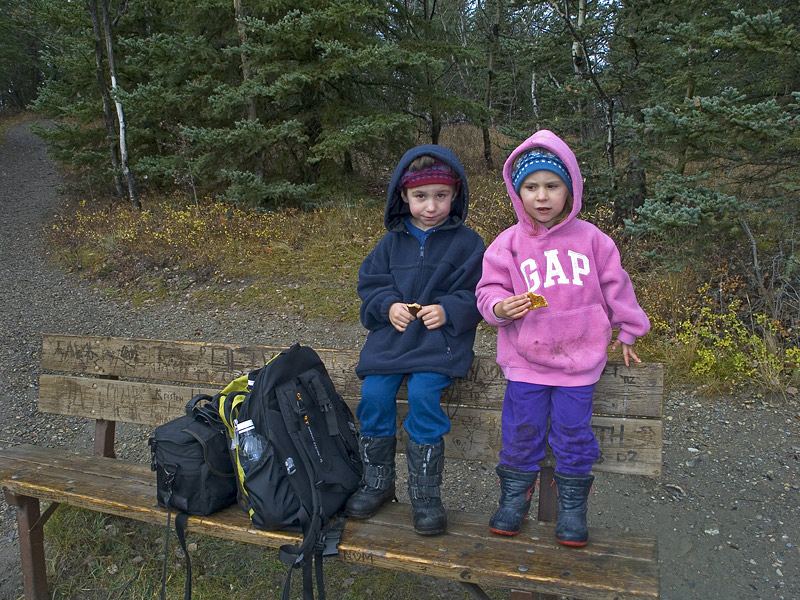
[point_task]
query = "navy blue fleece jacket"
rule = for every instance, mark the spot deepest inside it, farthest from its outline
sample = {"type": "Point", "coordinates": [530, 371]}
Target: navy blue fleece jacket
{"type": "Point", "coordinates": [445, 270]}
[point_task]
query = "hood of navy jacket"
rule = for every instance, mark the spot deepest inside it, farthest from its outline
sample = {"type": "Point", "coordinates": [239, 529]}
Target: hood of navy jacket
{"type": "Point", "coordinates": [443, 270]}
{"type": "Point", "coordinates": [397, 210]}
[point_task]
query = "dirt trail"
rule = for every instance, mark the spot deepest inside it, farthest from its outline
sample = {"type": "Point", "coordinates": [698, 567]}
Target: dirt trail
{"type": "Point", "coordinates": [726, 509]}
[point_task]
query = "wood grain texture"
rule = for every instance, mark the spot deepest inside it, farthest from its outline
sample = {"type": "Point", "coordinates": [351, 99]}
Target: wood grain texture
{"type": "Point", "coordinates": [627, 445]}
{"type": "Point", "coordinates": [613, 565]}
{"type": "Point", "coordinates": [634, 391]}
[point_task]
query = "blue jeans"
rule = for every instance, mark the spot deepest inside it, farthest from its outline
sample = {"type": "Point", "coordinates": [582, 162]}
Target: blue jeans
{"type": "Point", "coordinates": [526, 408]}
{"type": "Point", "coordinates": [426, 422]}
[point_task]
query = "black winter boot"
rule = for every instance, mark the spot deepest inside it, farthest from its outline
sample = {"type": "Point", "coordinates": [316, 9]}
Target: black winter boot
{"type": "Point", "coordinates": [516, 488]}
{"type": "Point", "coordinates": [377, 481]}
{"type": "Point", "coordinates": [425, 468]}
{"type": "Point", "coordinates": [573, 496]}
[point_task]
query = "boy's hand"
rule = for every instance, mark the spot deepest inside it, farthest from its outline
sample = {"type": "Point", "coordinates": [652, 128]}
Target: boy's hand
{"type": "Point", "coordinates": [399, 316]}
{"type": "Point", "coordinates": [512, 307]}
{"type": "Point", "coordinates": [432, 315]}
{"type": "Point", "coordinates": [627, 352]}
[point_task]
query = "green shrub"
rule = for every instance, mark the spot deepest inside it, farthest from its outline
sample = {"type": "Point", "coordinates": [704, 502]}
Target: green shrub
{"type": "Point", "coordinates": [729, 353]}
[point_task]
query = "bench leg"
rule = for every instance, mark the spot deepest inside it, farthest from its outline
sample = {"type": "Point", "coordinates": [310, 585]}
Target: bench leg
{"type": "Point", "coordinates": [474, 590]}
{"type": "Point", "coordinates": [548, 498]}
{"type": "Point", "coordinates": [548, 511]}
{"type": "Point", "coordinates": [104, 432]}
{"type": "Point", "coordinates": [31, 546]}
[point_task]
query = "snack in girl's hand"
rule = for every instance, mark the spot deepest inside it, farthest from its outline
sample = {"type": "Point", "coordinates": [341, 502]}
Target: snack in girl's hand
{"type": "Point", "coordinates": [413, 308]}
{"type": "Point", "coordinates": [537, 301]}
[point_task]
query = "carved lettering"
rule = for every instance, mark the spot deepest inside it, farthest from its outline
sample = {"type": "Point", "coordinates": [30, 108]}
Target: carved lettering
{"type": "Point", "coordinates": [647, 432]}
{"type": "Point", "coordinates": [83, 353]}
{"type": "Point", "coordinates": [603, 431]}
{"type": "Point", "coordinates": [629, 456]}
{"type": "Point", "coordinates": [357, 557]}
{"type": "Point", "coordinates": [129, 354]}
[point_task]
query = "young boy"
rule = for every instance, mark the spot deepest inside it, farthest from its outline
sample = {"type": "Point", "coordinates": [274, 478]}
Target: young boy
{"type": "Point", "coordinates": [417, 289]}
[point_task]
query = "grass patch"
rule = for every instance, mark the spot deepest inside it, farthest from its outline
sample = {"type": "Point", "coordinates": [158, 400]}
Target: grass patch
{"type": "Point", "coordinates": [211, 254]}
{"type": "Point", "coordinates": [92, 556]}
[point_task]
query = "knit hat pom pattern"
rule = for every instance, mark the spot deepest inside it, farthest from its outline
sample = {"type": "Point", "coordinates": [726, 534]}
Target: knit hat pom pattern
{"type": "Point", "coordinates": [539, 160]}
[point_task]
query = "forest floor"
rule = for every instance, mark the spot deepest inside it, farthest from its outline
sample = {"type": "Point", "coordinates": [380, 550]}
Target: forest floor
{"type": "Point", "coordinates": [726, 508]}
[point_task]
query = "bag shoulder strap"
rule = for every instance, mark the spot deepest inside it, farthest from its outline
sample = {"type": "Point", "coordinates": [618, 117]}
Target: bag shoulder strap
{"type": "Point", "coordinates": [180, 530]}
{"type": "Point", "coordinates": [204, 446]}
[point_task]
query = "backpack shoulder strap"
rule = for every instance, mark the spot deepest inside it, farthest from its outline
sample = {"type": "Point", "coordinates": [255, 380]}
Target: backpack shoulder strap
{"type": "Point", "coordinates": [313, 382]}
{"type": "Point", "coordinates": [311, 547]}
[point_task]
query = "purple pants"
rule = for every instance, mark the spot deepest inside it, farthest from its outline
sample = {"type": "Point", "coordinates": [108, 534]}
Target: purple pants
{"type": "Point", "coordinates": [526, 409]}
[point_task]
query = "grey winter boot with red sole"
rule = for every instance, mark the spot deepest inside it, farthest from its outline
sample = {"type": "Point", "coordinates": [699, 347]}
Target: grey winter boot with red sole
{"type": "Point", "coordinates": [516, 488]}
{"type": "Point", "coordinates": [573, 504]}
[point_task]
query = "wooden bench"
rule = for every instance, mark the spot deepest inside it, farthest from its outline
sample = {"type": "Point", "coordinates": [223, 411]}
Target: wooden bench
{"type": "Point", "coordinates": [148, 382]}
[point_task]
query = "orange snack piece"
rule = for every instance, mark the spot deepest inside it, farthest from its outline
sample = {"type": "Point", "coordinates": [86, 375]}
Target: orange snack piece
{"type": "Point", "coordinates": [537, 301]}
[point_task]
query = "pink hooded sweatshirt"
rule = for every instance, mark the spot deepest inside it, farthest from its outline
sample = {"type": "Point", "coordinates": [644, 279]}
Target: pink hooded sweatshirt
{"type": "Point", "coordinates": [577, 268]}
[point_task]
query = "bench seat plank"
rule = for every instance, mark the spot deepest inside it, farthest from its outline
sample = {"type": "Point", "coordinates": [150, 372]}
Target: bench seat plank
{"type": "Point", "coordinates": [627, 445]}
{"type": "Point", "coordinates": [613, 565]}
{"type": "Point", "coordinates": [633, 391]}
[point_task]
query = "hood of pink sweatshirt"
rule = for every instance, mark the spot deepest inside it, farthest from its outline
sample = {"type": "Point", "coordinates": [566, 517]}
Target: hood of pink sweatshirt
{"type": "Point", "coordinates": [549, 141]}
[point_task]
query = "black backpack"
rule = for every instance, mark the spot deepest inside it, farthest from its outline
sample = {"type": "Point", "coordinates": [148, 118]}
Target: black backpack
{"type": "Point", "coordinates": [194, 474]}
{"type": "Point", "coordinates": [311, 462]}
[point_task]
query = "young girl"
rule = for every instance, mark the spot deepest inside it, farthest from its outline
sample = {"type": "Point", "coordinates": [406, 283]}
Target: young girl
{"type": "Point", "coordinates": [552, 351]}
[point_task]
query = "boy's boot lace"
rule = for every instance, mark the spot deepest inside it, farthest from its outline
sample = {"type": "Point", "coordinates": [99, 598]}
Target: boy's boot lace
{"type": "Point", "coordinates": [377, 481]}
{"type": "Point", "coordinates": [425, 468]}
{"type": "Point", "coordinates": [516, 487]}
{"type": "Point", "coordinates": [573, 496]}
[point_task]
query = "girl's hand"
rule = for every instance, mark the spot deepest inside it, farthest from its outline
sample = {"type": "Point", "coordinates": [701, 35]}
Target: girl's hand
{"type": "Point", "coordinates": [433, 316]}
{"type": "Point", "coordinates": [627, 352]}
{"type": "Point", "coordinates": [512, 307]}
{"type": "Point", "coordinates": [399, 316]}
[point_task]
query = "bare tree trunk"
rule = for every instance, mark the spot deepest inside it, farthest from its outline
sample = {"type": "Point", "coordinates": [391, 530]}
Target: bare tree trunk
{"type": "Point", "coordinates": [588, 72]}
{"type": "Point", "coordinates": [101, 83]}
{"type": "Point", "coordinates": [608, 111]}
{"type": "Point", "coordinates": [494, 42]}
{"type": "Point", "coordinates": [247, 74]}
{"type": "Point", "coordinates": [123, 148]}
{"type": "Point", "coordinates": [536, 110]}
{"type": "Point", "coordinates": [578, 54]}
{"type": "Point", "coordinates": [436, 126]}
{"type": "Point", "coordinates": [691, 84]}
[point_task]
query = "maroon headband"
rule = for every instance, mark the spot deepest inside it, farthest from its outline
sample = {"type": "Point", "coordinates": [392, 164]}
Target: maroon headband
{"type": "Point", "coordinates": [438, 173]}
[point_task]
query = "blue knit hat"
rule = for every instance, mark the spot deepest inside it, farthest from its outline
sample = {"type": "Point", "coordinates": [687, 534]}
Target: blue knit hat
{"type": "Point", "coordinates": [539, 160]}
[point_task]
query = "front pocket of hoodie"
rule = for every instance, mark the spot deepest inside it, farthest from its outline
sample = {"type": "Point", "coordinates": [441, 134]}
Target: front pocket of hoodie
{"type": "Point", "coordinates": [573, 342]}
{"type": "Point", "coordinates": [448, 352]}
